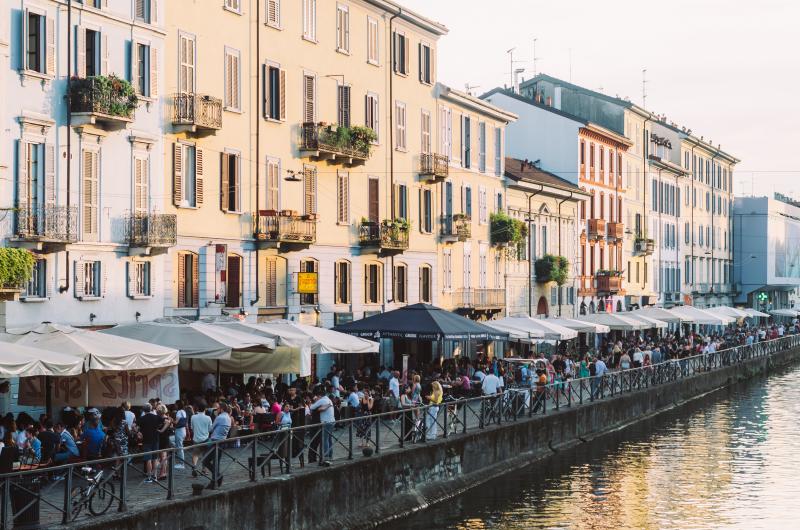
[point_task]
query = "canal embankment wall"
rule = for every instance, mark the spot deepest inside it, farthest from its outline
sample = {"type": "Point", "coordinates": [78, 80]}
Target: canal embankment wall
{"type": "Point", "coordinates": [367, 491]}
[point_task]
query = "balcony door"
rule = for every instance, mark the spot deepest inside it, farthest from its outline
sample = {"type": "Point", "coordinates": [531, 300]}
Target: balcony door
{"type": "Point", "coordinates": [448, 207]}
{"type": "Point", "coordinates": [233, 284]}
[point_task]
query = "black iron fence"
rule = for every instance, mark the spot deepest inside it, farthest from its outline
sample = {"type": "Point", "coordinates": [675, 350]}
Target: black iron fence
{"type": "Point", "coordinates": [383, 235]}
{"type": "Point", "coordinates": [48, 223]}
{"type": "Point", "coordinates": [102, 95]}
{"type": "Point", "coordinates": [276, 227]}
{"type": "Point", "coordinates": [59, 494]}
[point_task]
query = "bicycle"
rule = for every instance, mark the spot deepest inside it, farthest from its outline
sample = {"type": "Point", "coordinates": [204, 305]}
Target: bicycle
{"type": "Point", "coordinates": [98, 495]}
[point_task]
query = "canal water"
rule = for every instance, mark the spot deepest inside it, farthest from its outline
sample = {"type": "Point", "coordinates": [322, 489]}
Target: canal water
{"type": "Point", "coordinates": [731, 460]}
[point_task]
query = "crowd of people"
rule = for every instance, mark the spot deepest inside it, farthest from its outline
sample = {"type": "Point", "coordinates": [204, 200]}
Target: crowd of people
{"type": "Point", "coordinates": [221, 411]}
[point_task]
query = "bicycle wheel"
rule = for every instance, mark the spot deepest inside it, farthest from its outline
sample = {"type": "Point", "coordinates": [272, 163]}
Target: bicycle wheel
{"type": "Point", "coordinates": [101, 501]}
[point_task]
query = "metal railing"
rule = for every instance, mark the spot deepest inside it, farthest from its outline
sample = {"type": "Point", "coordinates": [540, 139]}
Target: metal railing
{"type": "Point", "coordinates": [331, 139]}
{"type": "Point", "coordinates": [457, 226]}
{"type": "Point", "coordinates": [479, 298]}
{"type": "Point", "coordinates": [433, 165]}
{"type": "Point", "coordinates": [199, 110]}
{"type": "Point", "coordinates": [151, 229]}
{"type": "Point", "coordinates": [247, 459]}
{"type": "Point", "coordinates": [387, 237]}
{"type": "Point", "coordinates": [100, 96]}
{"type": "Point", "coordinates": [274, 227]}
{"type": "Point", "coordinates": [48, 223]}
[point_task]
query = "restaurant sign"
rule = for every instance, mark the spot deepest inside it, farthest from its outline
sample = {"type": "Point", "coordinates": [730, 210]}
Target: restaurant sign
{"type": "Point", "coordinates": [307, 283]}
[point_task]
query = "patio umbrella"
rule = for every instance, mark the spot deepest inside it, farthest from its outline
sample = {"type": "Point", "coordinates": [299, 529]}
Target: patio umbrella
{"type": "Point", "coordinates": [755, 313]}
{"type": "Point", "coordinates": [652, 322]}
{"type": "Point", "coordinates": [579, 325]}
{"type": "Point", "coordinates": [728, 312]}
{"type": "Point", "coordinates": [24, 361]}
{"type": "Point", "coordinates": [662, 315]}
{"type": "Point", "coordinates": [615, 321]}
{"type": "Point", "coordinates": [515, 332]}
{"type": "Point", "coordinates": [420, 321]}
{"type": "Point", "coordinates": [700, 316]}
{"type": "Point", "coordinates": [98, 351]}
{"type": "Point", "coordinates": [784, 312]}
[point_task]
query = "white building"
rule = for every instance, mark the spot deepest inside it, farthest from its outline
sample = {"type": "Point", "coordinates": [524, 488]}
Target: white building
{"type": "Point", "coordinates": [85, 177]}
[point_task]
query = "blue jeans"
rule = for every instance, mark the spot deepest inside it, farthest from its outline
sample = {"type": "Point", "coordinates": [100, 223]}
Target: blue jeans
{"type": "Point", "coordinates": [327, 441]}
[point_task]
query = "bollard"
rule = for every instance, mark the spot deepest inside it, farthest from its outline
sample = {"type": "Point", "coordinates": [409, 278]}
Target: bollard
{"type": "Point", "coordinates": [378, 436]}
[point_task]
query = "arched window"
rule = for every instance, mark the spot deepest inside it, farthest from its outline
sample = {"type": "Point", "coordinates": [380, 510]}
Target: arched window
{"type": "Point", "coordinates": [541, 307]}
{"type": "Point", "coordinates": [342, 281]}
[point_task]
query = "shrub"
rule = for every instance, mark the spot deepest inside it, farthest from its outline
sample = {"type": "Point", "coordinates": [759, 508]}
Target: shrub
{"type": "Point", "coordinates": [16, 267]}
{"type": "Point", "coordinates": [506, 229]}
{"type": "Point", "coordinates": [550, 268]}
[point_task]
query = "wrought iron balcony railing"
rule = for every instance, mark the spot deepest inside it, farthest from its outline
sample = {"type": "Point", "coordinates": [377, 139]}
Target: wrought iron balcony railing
{"type": "Point", "coordinates": [386, 236]}
{"type": "Point", "coordinates": [57, 224]}
{"type": "Point", "coordinates": [479, 299]}
{"type": "Point", "coordinates": [434, 166]}
{"type": "Point", "coordinates": [333, 143]}
{"type": "Point", "coordinates": [284, 227]}
{"type": "Point", "coordinates": [197, 110]}
{"type": "Point", "coordinates": [103, 98]}
{"type": "Point", "coordinates": [151, 230]}
{"type": "Point", "coordinates": [457, 227]}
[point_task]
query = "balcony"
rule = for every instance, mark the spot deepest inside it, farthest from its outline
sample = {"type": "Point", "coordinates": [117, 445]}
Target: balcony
{"type": "Point", "coordinates": [616, 231]}
{"type": "Point", "coordinates": [350, 146]}
{"type": "Point", "coordinates": [609, 282]}
{"type": "Point", "coordinates": [273, 229]}
{"type": "Point", "coordinates": [388, 237]}
{"type": "Point", "coordinates": [45, 228]}
{"type": "Point", "coordinates": [491, 300]}
{"type": "Point", "coordinates": [597, 229]}
{"type": "Point", "coordinates": [434, 167]}
{"type": "Point", "coordinates": [644, 246]}
{"type": "Point", "coordinates": [150, 233]}
{"type": "Point", "coordinates": [197, 113]}
{"type": "Point", "coordinates": [106, 101]}
{"type": "Point", "coordinates": [457, 227]}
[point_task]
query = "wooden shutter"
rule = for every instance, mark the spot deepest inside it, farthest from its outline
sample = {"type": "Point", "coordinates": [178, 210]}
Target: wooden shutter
{"type": "Point", "coordinates": [265, 88]}
{"type": "Point", "coordinates": [141, 182]}
{"type": "Point", "coordinates": [273, 183]}
{"type": "Point", "coordinates": [140, 9]}
{"type": "Point", "coordinates": [104, 54]}
{"type": "Point", "coordinates": [419, 58]}
{"type": "Point", "coordinates": [90, 195]}
{"type": "Point", "coordinates": [153, 84]}
{"type": "Point", "coordinates": [50, 40]}
{"type": "Point", "coordinates": [235, 103]}
{"type": "Point", "coordinates": [283, 94]}
{"type": "Point", "coordinates": [198, 175]}
{"type": "Point", "coordinates": [80, 64]}
{"type": "Point", "coordinates": [49, 174]}
{"type": "Point", "coordinates": [308, 99]}
{"type": "Point", "coordinates": [228, 80]}
{"type": "Point", "coordinates": [195, 280]}
{"type": "Point", "coordinates": [406, 56]}
{"type": "Point", "coordinates": [181, 280]}
{"type": "Point", "coordinates": [134, 67]}
{"type": "Point", "coordinates": [271, 283]}
{"type": "Point", "coordinates": [343, 196]}
{"type": "Point", "coordinates": [153, 11]}
{"type": "Point", "coordinates": [273, 12]}
{"type": "Point", "coordinates": [103, 277]}
{"type": "Point", "coordinates": [80, 279]}
{"type": "Point", "coordinates": [22, 174]}
{"type": "Point", "coordinates": [177, 176]}
{"type": "Point", "coordinates": [225, 183]}
{"type": "Point", "coordinates": [373, 200]}
{"type": "Point", "coordinates": [310, 189]}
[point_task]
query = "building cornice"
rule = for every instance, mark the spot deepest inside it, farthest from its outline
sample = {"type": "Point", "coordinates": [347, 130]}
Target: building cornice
{"type": "Point", "coordinates": [601, 133]}
{"type": "Point", "coordinates": [473, 103]}
{"type": "Point", "coordinates": [410, 16]}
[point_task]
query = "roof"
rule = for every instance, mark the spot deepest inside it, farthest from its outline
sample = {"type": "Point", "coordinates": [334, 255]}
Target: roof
{"type": "Point", "coordinates": [544, 77]}
{"type": "Point", "coordinates": [410, 16]}
{"type": "Point", "coordinates": [529, 101]}
{"type": "Point", "coordinates": [524, 171]}
{"type": "Point", "coordinates": [476, 104]}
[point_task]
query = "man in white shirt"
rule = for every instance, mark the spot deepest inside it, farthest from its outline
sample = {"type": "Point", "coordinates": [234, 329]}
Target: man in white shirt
{"type": "Point", "coordinates": [490, 384]}
{"type": "Point", "coordinates": [394, 385]}
{"type": "Point", "coordinates": [130, 417]}
{"type": "Point", "coordinates": [327, 417]}
{"type": "Point", "coordinates": [201, 428]}
{"type": "Point", "coordinates": [479, 376]}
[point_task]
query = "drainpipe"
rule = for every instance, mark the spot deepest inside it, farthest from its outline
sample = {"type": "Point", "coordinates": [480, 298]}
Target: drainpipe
{"type": "Point", "coordinates": [559, 244]}
{"type": "Point", "coordinates": [258, 139]}
{"type": "Point", "coordinates": [694, 175]}
{"type": "Point", "coordinates": [644, 195]}
{"type": "Point", "coordinates": [713, 209]}
{"type": "Point", "coordinates": [530, 252]}
{"type": "Point", "coordinates": [390, 63]}
{"type": "Point", "coordinates": [64, 288]}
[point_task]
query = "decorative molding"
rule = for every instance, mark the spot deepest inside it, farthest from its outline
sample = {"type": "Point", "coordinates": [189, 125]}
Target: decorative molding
{"type": "Point", "coordinates": [35, 123]}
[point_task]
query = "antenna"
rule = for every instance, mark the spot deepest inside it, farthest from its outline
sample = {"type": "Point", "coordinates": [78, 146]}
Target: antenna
{"type": "Point", "coordinates": [511, 64]}
{"type": "Point", "coordinates": [468, 88]}
{"type": "Point", "coordinates": [644, 88]}
{"type": "Point", "coordinates": [535, 58]}
{"type": "Point", "coordinates": [570, 65]}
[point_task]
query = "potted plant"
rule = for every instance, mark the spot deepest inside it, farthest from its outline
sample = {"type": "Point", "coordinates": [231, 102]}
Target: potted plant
{"type": "Point", "coordinates": [16, 269]}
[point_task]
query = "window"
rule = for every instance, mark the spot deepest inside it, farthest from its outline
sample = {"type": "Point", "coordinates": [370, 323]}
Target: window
{"type": "Point", "coordinates": [139, 279]}
{"type": "Point", "coordinates": [499, 202]}
{"type": "Point", "coordinates": [274, 13]}
{"type": "Point", "coordinates": [144, 11]}
{"type": "Point", "coordinates": [372, 113]}
{"type": "Point", "coordinates": [342, 282]}
{"type": "Point", "coordinates": [37, 285]}
{"type": "Point", "coordinates": [591, 156]}
{"type": "Point", "coordinates": [467, 265]}
{"type": "Point", "coordinates": [273, 184]}
{"type": "Point", "coordinates": [90, 195]}
{"type": "Point", "coordinates": [400, 126]}
{"type": "Point", "coordinates": [372, 283]}
{"type": "Point", "coordinates": [274, 99]}
{"type": "Point", "coordinates": [425, 63]}
{"type": "Point", "coordinates": [233, 5]}
{"type": "Point", "coordinates": [482, 206]}
{"type": "Point", "coordinates": [38, 36]}
{"type": "Point", "coordinates": [482, 266]}
{"type": "Point", "coordinates": [686, 231]}
{"type": "Point", "coordinates": [426, 211]}
{"type": "Point", "coordinates": [343, 105]}
{"type": "Point", "coordinates": [342, 197]}
{"type": "Point", "coordinates": [468, 202]}
{"type": "Point", "coordinates": [498, 151]}
{"type": "Point", "coordinates": [274, 291]}
{"type": "Point", "coordinates": [310, 20]}
{"type": "Point", "coordinates": [230, 185]}
{"type": "Point", "coordinates": [400, 53]}
{"type": "Point", "coordinates": [309, 265]}
{"type": "Point", "coordinates": [187, 70]}
{"type": "Point", "coordinates": [466, 142]}
{"type": "Point", "coordinates": [187, 176]}
{"type": "Point", "coordinates": [232, 79]}
{"type": "Point", "coordinates": [35, 183]}
{"type": "Point", "coordinates": [140, 184]}
{"type": "Point", "coordinates": [88, 280]}
{"type": "Point", "coordinates": [144, 69]}
{"type": "Point", "coordinates": [372, 41]}
{"type": "Point", "coordinates": [498, 271]}
{"type": "Point", "coordinates": [342, 29]}
{"type": "Point", "coordinates": [309, 98]}
{"type": "Point", "coordinates": [401, 284]}
{"type": "Point", "coordinates": [89, 53]}
{"type": "Point", "coordinates": [482, 147]}
{"type": "Point", "coordinates": [425, 128]}
{"type": "Point", "coordinates": [309, 190]}
{"type": "Point", "coordinates": [583, 152]}
{"type": "Point", "coordinates": [425, 287]}
{"type": "Point", "coordinates": [188, 280]}
{"type": "Point", "coordinates": [544, 239]}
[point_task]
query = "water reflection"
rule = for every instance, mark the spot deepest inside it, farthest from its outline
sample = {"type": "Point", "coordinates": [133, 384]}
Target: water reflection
{"type": "Point", "coordinates": [725, 462]}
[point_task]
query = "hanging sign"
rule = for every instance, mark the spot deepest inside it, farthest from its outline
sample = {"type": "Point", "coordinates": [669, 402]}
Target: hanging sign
{"type": "Point", "coordinates": [307, 283]}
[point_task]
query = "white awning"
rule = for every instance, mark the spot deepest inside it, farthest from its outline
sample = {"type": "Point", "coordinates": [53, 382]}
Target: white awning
{"type": "Point", "coordinates": [98, 351]}
{"type": "Point", "coordinates": [755, 313]}
{"type": "Point", "coordinates": [728, 311]}
{"type": "Point", "coordinates": [700, 316]}
{"type": "Point", "coordinates": [661, 314]}
{"type": "Point", "coordinates": [580, 326]}
{"type": "Point", "coordinates": [516, 333]}
{"type": "Point", "coordinates": [24, 361]}
{"type": "Point", "coordinates": [651, 322]}
{"type": "Point", "coordinates": [615, 321]}
{"type": "Point", "coordinates": [784, 312]}
{"type": "Point", "coordinates": [535, 326]}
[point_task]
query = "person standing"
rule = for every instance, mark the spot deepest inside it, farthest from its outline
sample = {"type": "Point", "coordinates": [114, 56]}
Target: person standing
{"type": "Point", "coordinates": [324, 405]}
{"type": "Point", "coordinates": [148, 427]}
{"type": "Point", "coordinates": [180, 433]}
{"type": "Point", "coordinates": [434, 400]}
{"type": "Point", "coordinates": [201, 429]}
{"type": "Point", "coordinates": [219, 431]}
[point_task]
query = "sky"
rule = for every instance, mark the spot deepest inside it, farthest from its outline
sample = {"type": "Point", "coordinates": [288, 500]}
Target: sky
{"type": "Point", "coordinates": [727, 69]}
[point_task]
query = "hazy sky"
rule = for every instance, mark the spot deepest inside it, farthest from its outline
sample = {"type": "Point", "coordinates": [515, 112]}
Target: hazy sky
{"type": "Point", "coordinates": [727, 69]}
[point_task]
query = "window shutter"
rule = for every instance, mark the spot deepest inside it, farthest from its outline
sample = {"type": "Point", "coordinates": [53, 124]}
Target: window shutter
{"type": "Point", "coordinates": [181, 280]}
{"type": "Point", "coordinates": [283, 94]}
{"type": "Point", "coordinates": [271, 287]}
{"type": "Point", "coordinates": [199, 176]}
{"type": "Point", "coordinates": [80, 279]}
{"type": "Point", "coordinates": [50, 174]}
{"type": "Point", "coordinates": [340, 104]}
{"type": "Point", "coordinates": [80, 64]}
{"type": "Point", "coordinates": [235, 82]}
{"type": "Point", "coordinates": [310, 189]}
{"type": "Point", "coordinates": [48, 280]}
{"type": "Point", "coordinates": [50, 39]}
{"type": "Point", "coordinates": [22, 174]}
{"type": "Point", "coordinates": [265, 86]}
{"type": "Point", "coordinates": [346, 105]}
{"type": "Point", "coordinates": [273, 12]}
{"type": "Point", "coordinates": [308, 94]}
{"type": "Point", "coordinates": [23, 48]}
{"type": "Point", "coordinates": [133, 70]}
{"type": "Point", "coordinates": [419, 58]}
{"type": "Point", "coordinates": [90, 196]}
{"type": "Point", "coordinates": [195, 281]}
{"type": "Point", "coordinates": [140, 9]}
{"type": "Point", "coordinates": [153, 11]}
{"type": "Point", "coordinates": [419, 211]}
{"type": "Point", "coordinates": [225, 183]}
{"type": "Point", "coordinates": [104, 54]}
{"type": "Point", "coordinates": [153, 84]}
{"type": "Point", "coordinates": [151, 278]}
{"type": "Point", "coordinates": [130, 274]}
{"type": "Point", "coordinates": [177, 177]}
{"type": "Point", "coordinates": [406, 57]}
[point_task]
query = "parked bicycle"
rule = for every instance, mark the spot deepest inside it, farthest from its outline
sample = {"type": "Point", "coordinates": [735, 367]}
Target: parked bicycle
{"type": "Point", "coordinates": [97, 494]}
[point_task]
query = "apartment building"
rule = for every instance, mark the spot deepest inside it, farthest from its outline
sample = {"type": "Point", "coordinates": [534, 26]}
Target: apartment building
{"type": "Point", "coordinates": [472, 271]}
{"type": "Point", "coordinates": [81, 146]}
{"type": "Point", "coordinates": [549, 206]}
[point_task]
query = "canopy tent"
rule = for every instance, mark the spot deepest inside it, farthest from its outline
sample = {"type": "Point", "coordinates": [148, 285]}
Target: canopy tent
{"type": "Point", "coordinates": [24, 361]}
{"type": "Point", "coordinates": [661, 314]}
{"type": "Point", "coordinates": [579, 325]}
{"type": "Point", "coordinates": [615, 321]}
{"type": "Point", "coordinates": [728, 312]}
{"type": "Point", "coordinates": [97, 351]}
{"type": "Point", "coordinates": [755, 313]}
{"type": "Point", "coordinates": [207, 347]}
{"type": "Point", "coordinates": [548, 329]}
{"type": "Point", "coordinates": [423, 322]}
{"type": "Point", "coordinates": [515, 332]}
{"type": "Point", "coordinates": [700, 316]}
{"type": "Point", "coordinates": [784, 312]}
{"type": "Point", "coordinates": [652, 322]}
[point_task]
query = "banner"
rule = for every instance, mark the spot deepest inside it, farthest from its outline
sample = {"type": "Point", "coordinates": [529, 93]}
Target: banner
{"type": "Point", "coordinates": [103, 388]}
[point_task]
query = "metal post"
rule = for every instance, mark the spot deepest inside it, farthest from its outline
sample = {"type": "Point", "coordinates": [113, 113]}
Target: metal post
{"type": "Point", "coordinates": [464, 426]}
{"type": "Point", "coordinates": [424, 424]}
{"type": "Point", "coordinates": [289, 451]}
{"type": "Point", "coordinates": [377, 436]}
{"type": "Point", "coordinates": [530, 402]}
{"type": "Point", "coordinates": [499, 401]}
{"type": "Point", "coordinates": [67, 497]}
{"type": "Point", "coordinates": [215, 473]}
{"type": "Point", "coordinates": [171, 475]}
{"type": "Point", "coordinates": [4, 520]}
{"type": "Point", "coordinates": [483, 413]}
{"type": "Point", "coordinates": [580, 391]}
{"type": "Point", "coordinates": [558, 397]}
{"type": "Point", "coordinates": [350, 440]}
{"type": "Point", "coordinates": [123, 487]}
{"type": "Point", "coordinates": [402, 429]}
{"type": "Point", "coordinates": [445, 419]}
